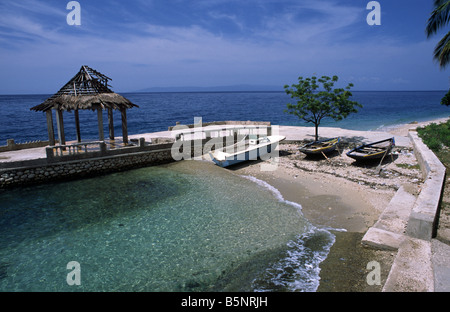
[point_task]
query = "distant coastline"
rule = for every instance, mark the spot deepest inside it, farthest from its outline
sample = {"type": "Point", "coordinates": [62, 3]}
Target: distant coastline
{"type": "Point", "coordinates": [231, 88]}
{"type": "Point", "coordinates": [215, 89]}
{"type": "Point", "coordinates": [244, 88]}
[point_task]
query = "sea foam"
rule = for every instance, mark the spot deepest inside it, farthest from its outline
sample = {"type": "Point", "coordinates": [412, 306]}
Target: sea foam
{"type": "Point", "coordinates": [298, 269]}
{"type": "Point", "coordinates": [274, 191]}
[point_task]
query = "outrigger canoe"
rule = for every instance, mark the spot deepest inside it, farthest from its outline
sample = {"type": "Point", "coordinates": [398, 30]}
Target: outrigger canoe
{"type": "Point", "coordinates": [370, 151]}
{"type": "Point", "coordinates": [320, 147]}
{"type": "Point", "coordinates": [251, 148]}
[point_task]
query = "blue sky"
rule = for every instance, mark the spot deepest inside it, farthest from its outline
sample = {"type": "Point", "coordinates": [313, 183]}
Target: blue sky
{"type": "Point", "coordinates": [171, 43]}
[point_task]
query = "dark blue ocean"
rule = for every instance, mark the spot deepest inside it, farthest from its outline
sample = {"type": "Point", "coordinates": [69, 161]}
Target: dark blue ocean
{"type": "Point", "coordinates": [158, 111]}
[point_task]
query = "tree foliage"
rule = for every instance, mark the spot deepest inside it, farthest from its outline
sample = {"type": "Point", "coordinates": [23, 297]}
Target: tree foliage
{"type": "Point", "coordinates": [439, 18]}
{"type": "Point", "coordinates": [446, 99]}
{"type": "Point", "coordinates": [313, 105]}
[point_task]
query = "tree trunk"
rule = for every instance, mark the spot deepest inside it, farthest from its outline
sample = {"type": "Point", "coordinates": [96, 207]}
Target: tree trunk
{"type": "Point", "coordinates": [317, 131]}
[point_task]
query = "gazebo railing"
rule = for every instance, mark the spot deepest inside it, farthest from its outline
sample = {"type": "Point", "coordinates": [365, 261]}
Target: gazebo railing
{"type": "Point", "coordinates": [75, 149]}
{"type": "Point", "coordinates": [95, 149]}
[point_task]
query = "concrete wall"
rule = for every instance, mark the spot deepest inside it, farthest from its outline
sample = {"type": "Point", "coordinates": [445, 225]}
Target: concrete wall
{"type": "Point", "coordinates": [412, 268]}
{"type": "Point", "coordinates": [424, 216]}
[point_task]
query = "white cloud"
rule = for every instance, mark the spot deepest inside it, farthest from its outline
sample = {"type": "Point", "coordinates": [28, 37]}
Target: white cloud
{"type": "Point", "coordinates": [33, 6]}
{"type": "Point", "coordinates": [278, 49]}
{"type": "Point", "coordinates": [297, 26]}
{"type": "Point", "coordinates": [232, 18]}
{"type": "Point", "coordinates": [25, 28]}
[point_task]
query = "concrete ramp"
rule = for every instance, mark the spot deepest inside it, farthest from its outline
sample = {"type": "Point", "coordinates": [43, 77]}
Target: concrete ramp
{"type": "Point", "coordinates": [412, 270]}
{"type": "Point", "coordinates": [388, 232]}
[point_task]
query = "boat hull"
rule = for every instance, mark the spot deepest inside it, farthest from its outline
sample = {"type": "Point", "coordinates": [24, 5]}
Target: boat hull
{"type": "Point", "coordinates": [252, 154]}
{"type": "Point", "coordinates": [328, 146]}
{"type": "Point", "coordinates": [359, 153]}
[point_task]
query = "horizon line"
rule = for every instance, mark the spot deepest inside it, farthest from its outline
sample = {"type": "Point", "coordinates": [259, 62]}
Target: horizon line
{"type": "Point", "coordinates": [221, 91]}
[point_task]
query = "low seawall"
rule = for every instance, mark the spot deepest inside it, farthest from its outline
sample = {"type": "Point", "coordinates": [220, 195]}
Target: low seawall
{"type": "Point", "coordinates": [101, 161]}
{"type": "Point", "coordinates": [415, 217]}
{"type": "Point", "coordinates": [425, 213]}
{"type": "Point", "coordinates": [81, 168]}
{"type": "Point", "coordinates": [408, 225]}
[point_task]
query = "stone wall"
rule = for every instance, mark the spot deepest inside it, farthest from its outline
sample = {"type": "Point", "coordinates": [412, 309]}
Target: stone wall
{"type": "Point", "coordinates": [81, 168]}
{"type": "Point", "coordinates": [100, 162]}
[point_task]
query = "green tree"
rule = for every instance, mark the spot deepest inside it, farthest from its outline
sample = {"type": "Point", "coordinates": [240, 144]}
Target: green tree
{"type": "Point", "coordinates": [446, 99]}
{"type": "Point", "coordinates": [312, 105]}
{"type": "Point", "coordinates": [439, 19]}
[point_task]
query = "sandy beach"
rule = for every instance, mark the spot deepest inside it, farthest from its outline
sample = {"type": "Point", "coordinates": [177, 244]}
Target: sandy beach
{"type": "Point", "coordinates": [402, 130]}
{"type": "Point", "coordinates": [335, 193]}
{"type": "Point", "coordinates": [333, 202]}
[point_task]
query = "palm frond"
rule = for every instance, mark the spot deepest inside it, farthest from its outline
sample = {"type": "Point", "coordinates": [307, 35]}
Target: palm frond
{"type": "Point", "coordinates": [439, 17]}
{"type": "Point", "coordinates": [442, 51]}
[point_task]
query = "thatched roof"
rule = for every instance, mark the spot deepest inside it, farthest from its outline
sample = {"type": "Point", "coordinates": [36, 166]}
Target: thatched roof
{"type": "Point", "coordinates": [88, 89]}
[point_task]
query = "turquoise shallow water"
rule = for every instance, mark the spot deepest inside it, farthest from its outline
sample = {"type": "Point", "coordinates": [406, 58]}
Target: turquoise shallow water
{"type": "Point", "coordinates": [188, 226]}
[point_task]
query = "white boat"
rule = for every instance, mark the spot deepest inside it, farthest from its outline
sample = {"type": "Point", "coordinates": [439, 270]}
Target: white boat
{"type": "Point", "coordinates": [250, 148]}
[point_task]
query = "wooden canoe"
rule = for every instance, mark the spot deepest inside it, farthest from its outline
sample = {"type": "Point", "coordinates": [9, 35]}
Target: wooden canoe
{"type": "Point", "coordinates": [371, 151]}
{"type": "Point", "coordinates": [318, 147]}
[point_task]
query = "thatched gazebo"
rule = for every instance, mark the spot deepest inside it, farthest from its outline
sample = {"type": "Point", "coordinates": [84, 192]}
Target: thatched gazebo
{"type": "Point", "coordinates": [88, 89]}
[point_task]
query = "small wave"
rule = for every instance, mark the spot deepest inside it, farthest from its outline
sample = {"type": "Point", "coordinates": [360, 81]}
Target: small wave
{"type": "Point", "coordinates": [274, 191]}
{"type": "Point", "coordinates": [379, 128]}
{"type": "Point", "coordinates": [298, 269]}
{"type": "Point", "coordinates": [388, 128]}
{"type": "Point", "coordinates": [281, 199]}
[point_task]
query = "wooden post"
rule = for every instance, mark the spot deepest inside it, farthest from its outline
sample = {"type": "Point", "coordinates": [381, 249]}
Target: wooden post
{"type": "Point", "coordinates": [123, 112]}
{"type": "Point", "coordinates": [60, 124]}
{"type": "Point", "coordinates": [325, 156]}
{"type": "Point", "coordinates": [51, 131]}
{"type": "Point", "coordinates": [77, 125]}
{"type": "Point", "coordinates": [111, 123]}
{"type": "Point", "coordinates": [101, 135]}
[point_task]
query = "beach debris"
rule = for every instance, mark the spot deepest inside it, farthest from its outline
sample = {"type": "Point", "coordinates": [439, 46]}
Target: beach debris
{"type": "Point", "coordinates": [326, 157]}
{"type": "Point", "coordinates": [390, 176]}
{"type": "Point", "coordinates": [378, 169]}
